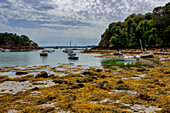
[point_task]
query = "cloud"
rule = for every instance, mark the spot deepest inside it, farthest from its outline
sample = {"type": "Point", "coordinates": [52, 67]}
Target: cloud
{"type": "Point", "coordinates": [68, 19]}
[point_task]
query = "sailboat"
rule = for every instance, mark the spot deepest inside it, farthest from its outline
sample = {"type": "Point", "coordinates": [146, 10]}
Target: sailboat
{"type": "Point", "coordinates": [144, 55]}
{"type": "Point", "coordinates": [72, 55]}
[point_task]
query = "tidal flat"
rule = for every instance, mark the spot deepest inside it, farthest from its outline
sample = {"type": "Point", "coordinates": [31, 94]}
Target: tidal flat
{"type": "Point", "coordinates": [67, 88]}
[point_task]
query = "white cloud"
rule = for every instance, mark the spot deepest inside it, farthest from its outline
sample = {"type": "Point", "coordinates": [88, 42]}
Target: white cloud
{"type": "Point", "coordinates": [97, 13]}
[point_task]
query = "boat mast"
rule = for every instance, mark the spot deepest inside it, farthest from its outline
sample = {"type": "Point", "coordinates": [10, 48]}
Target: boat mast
{"type": "Point", "coordinates": [70, 45]}
{"type": "Point", "coordinates": [141, 44]}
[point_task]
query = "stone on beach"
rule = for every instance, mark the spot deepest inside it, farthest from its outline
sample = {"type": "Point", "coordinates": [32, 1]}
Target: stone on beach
{"type": "Point", "coordinates": [21, 73]}
{"type": "Point", "coordinates": [42, 74]}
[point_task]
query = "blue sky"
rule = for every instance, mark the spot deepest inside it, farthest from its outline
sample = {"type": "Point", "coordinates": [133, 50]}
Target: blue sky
{"type": "Point", "coordinates": [57, 22]}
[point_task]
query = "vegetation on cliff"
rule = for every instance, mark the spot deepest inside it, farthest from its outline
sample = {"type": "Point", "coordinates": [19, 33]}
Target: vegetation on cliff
{"type": "Point", "coordinates": [152, 28]}
{"type": "Point", "coordinates": [13, 41]}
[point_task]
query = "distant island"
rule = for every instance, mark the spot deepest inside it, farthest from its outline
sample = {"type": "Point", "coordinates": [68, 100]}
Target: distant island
{"type": "Point", "coordinates": [152, 28]}
{"type": "Point", "coordinates": [15, 42]}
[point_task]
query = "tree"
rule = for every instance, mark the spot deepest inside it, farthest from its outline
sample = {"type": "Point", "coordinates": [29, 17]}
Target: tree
{"type": "Point", "coordinates": [114, 40]}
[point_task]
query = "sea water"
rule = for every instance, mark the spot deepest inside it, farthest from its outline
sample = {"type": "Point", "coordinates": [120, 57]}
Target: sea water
{"type": "Point", "coordinates": [33, 58]}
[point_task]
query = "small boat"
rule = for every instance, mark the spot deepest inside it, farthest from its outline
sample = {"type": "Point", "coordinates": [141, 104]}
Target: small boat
{"type": "Point", "coordinates": [44, 53]}
{"type": "Point", "coordinates": [73, 57]}
{"type": "Point", "coordinates": [117, 53]}
{"type": "Point", "coordinates": [6, 50]}
{"type": "Point", "coordinates": [68, 51]}
{"type": "Point", "coordinates": [71, 54]}
{"type": "Point", "coordinates": [147, 55]}
{"type": "Point", "coordinates": [50, 51]}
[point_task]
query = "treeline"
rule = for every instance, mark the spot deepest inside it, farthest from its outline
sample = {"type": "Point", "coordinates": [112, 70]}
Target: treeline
{"type": "Point", "coordinates": [152, 28]}
{"type": "Point", "coordinates": [10, 40]}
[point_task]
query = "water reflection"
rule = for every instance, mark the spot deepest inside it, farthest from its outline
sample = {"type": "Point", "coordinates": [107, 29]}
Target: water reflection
{"type": "Point", "coordinates": [107, 63]}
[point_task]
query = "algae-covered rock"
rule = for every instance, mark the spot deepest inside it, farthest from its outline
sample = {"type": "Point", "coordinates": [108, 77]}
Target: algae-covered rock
{"type": "Point", "coordinates": [77, 86]}
{"type": "Point", "coordinates": [167, 72]}
{"type": "Point", "coordinates": [145, 97]}
{"type": "Point", "coordinates": [141, 69]}
{"type": "Point", "coordinates": [42, 74]}
{"type": "Point", "coordinates": [98, 70]}
{"type": "Point", "coordinates": [122, 87]}
{"type": "Point", "coordinates": [120, 82]}
{"type": "Point", "coordinates": [71, 98]}
{"type": "Point", "coordinates": [41, 101]}
{"type": "Point", "coordinates": [104, 85]}
{"type": "Point", "coordinates": [87, 73]}
{"type": "Point", "coordinates": [50, 98]}
{"type": "Point", "coordinates": [103, 76]}
{"type": "Point", "coordinates": [60, 81]}
{"type": "Point", "coordinates": [21, 73]}
{"type": "Point", "coordinates": [35, 88]}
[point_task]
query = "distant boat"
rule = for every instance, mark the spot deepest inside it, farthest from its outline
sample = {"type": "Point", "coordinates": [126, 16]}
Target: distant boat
{"type": "Point", "coordinates": [71, 54]}
{"type": "Point", "coordinates": [73, 57]}
{"type": "Point", "coordinates": [117, 53]}
{"type": "Point", "coordinates": [44, 53]}
{"type": "Point", "coordinates": [146, 55]}
{"type": "Point", "coordinates": [68, 51]}
{"type": "Point", "coordinates": [6, 50]}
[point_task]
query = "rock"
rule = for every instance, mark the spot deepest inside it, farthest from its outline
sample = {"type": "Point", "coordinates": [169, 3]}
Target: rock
{"type": "Point", "coordinates": [141, 69]}
{"type": "Point", "coordinates": [120, 82]}
{"type": "Point", "coordinates": [167, 72]}
{"type": "Point", "coordinates": [82, 81]}
{"type": "Point", "coordinates": [145, 97]}
{"type": "Point", "coordinates": [107, 70]}
{"type": "Point", "coordinates": [50, 98]}
{"type": "Point", "coordinates": [122, 87]}
{"type": "Point", "coordinates": [99, 70]}
{"type": "Point", "coordinates": [60, 81]}
{"type": "Point", "coordinates": [77, 86]}
{"type": "Point", "coordinates": [80, 85]}
{"type": "Point", "coordinates": [104, 85]}
{"type": "Point", "coordinates": [71, 98]}
{"type": "Point", "coordinates": [21, 73]}
{"type": "Point", "coordinates": [43, 74]}
{"type": "Point", "coordinates": [103, 76]}
{"type": "Point", "coordinates": [87, 73]}
{"type": "Point", "coordinates": [41, 101]}
{"type": "Point", "coordinates": [35, 88]}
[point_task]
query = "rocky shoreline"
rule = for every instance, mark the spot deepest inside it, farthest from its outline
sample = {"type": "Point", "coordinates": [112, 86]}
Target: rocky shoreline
{"type": "Point", "coordinates": [69, 88]}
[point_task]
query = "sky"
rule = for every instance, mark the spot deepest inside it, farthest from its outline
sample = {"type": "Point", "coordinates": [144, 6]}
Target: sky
{"type": "Point", "coordinates": [57, 22]}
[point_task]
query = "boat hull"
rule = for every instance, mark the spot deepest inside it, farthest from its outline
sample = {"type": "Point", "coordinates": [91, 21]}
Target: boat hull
{"type": "Point", "coordinates": [117, 53]}
{"type": "Point", "coordinates": [146, 56]}
{"type": "Point", "coordinates": [43, 54]}
{"type": "Point", "coordinates": [73, 57]}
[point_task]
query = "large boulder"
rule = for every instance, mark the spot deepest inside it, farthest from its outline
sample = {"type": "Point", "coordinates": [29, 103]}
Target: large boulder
{"type": "Point", "coordinates": [42, 74]}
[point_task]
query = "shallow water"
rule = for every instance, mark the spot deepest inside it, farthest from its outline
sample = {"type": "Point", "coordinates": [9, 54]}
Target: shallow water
{"type": "Point", "coordinates": [33, 58]}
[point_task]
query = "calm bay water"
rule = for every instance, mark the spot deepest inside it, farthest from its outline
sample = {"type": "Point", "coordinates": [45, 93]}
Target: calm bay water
{"type": "Point", "coordinates": [34, 58]}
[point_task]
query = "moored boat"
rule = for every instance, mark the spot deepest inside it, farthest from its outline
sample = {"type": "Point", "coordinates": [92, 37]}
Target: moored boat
{"type": "Point", "coordinates": [117, 53]}
{"type": "Point", "coordinates": [147, 55]}
{"type": "Point", "coordinates": [44, 54]}
{"type": "Point", "coordinates": [73, 57]}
